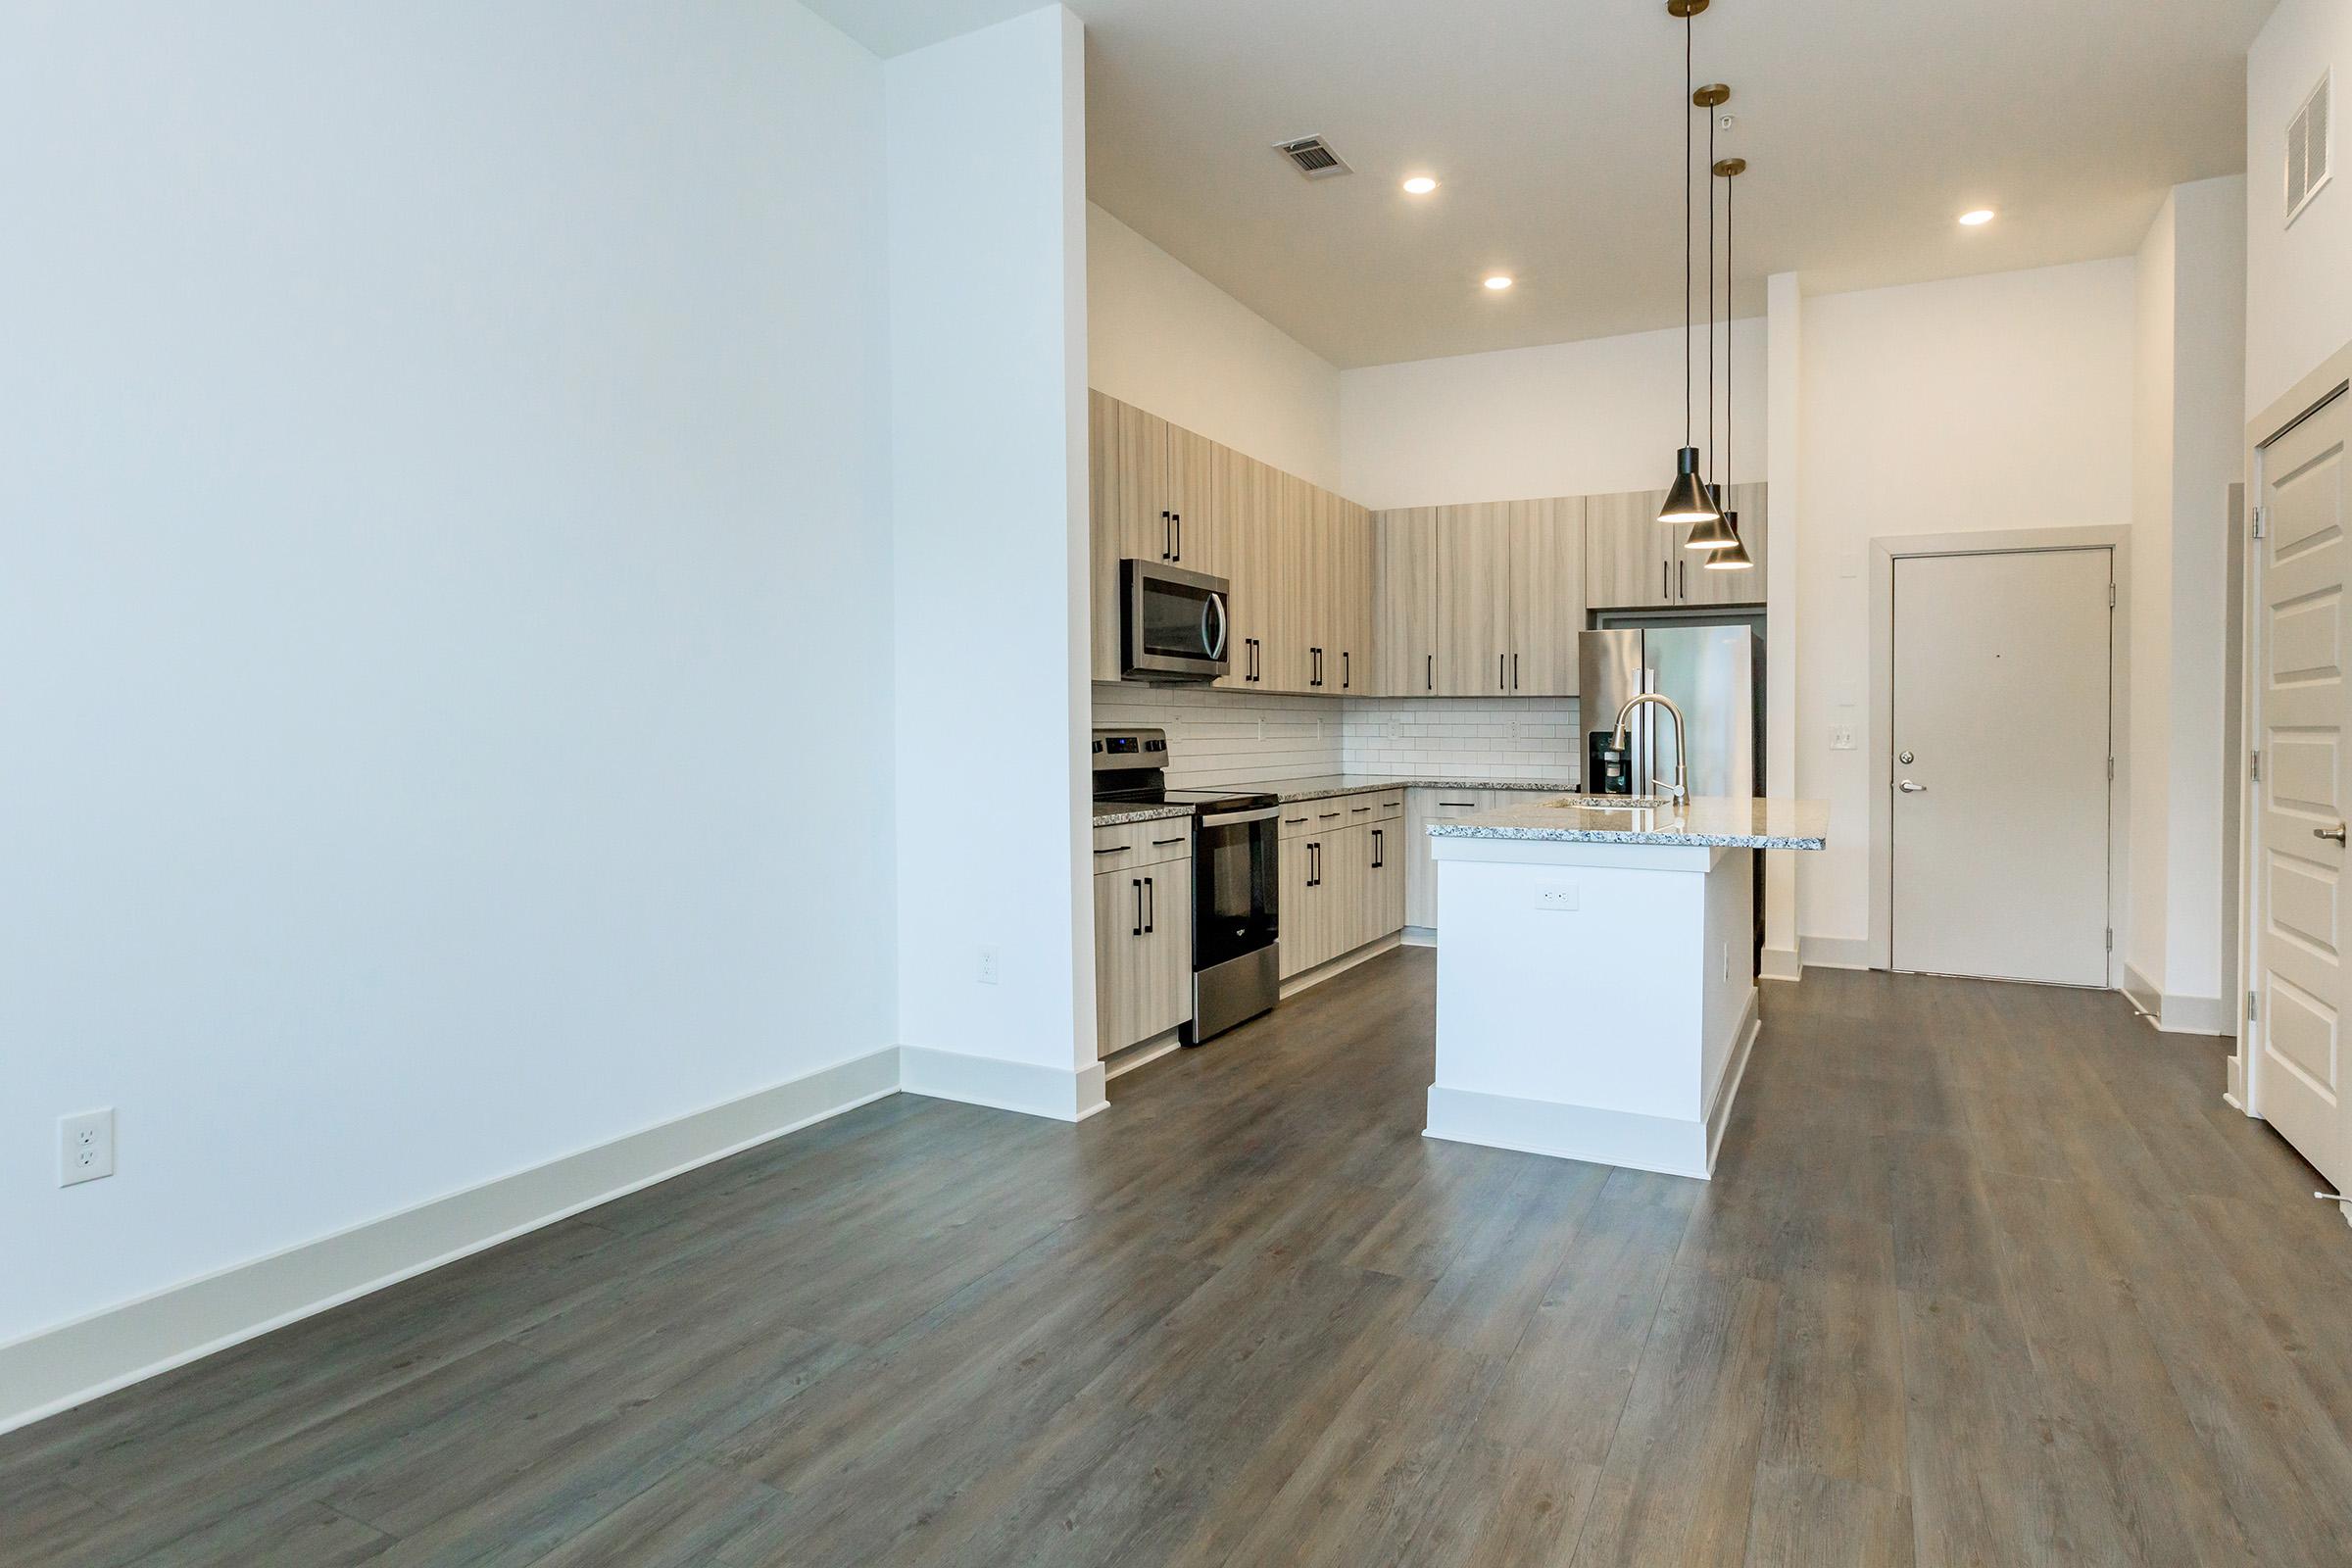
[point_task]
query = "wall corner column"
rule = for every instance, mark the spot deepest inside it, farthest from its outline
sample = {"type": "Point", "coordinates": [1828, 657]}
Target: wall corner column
{"type": "Point", "coordinates": [1784, 323]}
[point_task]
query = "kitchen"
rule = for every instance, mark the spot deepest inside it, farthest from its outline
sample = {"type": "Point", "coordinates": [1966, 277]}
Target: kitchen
{"type": "Point", "coordinates": [1219, 892]}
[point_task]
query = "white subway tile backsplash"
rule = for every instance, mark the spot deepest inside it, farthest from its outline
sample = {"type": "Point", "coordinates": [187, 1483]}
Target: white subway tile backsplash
{"type": "Point", "coordinates": [1250, 738]}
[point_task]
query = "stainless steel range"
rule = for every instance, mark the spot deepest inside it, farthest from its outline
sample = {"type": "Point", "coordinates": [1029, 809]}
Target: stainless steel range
{"type": "Point", "coordinates": [1236, 926]}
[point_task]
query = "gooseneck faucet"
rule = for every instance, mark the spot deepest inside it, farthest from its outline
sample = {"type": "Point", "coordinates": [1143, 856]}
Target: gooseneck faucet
{"type": "Point", "coordinates": [1680, 790]}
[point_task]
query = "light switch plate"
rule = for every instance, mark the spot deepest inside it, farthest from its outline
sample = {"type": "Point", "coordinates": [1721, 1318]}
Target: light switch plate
{"type": "Point", "coordinates": [1842, 738]}
{"type": "Point", "coordinates": [85, 1147]}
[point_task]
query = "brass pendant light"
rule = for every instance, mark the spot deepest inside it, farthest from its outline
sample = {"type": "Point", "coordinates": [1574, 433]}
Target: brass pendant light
{"type": "Point", "coordinates": [1712, 533]}
{"type": "Point", "coordinates": [1686, 501]}
{"type": "Point", "coordinates": [1733, 556]}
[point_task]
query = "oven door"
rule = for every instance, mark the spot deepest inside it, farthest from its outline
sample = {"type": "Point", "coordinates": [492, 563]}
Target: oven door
{"type": "Point", "coordinates": [1172, 623]}
{"type": "Point", "coordinates": [1234, 884]}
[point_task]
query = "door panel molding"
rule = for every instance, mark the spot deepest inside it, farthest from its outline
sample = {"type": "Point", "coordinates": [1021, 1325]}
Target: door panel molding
{"type": "Point", "coordinates": [1885, 551]}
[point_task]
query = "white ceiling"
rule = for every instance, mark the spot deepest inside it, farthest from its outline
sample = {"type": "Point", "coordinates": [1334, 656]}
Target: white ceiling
{"type": "Point", "coordinates": [1870, 124]}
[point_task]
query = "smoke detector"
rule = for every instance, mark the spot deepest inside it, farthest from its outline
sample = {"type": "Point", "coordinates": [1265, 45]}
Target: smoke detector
{"type": "Point", "coordinates": [1313, 157]}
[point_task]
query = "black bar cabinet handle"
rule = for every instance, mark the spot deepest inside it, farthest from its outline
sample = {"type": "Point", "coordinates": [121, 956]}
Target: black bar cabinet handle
{"type": "Point", "coordinates": [1152, 907]}
{"type": "Point", "coordinates": [1138, 885]}
{"type": "Point", "coordinates": [1378, 851]}
{"type": "Point", "coordinates": [1179, 520]}
{"type": "Point", "coordinates": [1514, 672]}
{"type": "Point", "coordinates": [1345, 678]}
{"type": "Point", "coordinates": [1428, 677]}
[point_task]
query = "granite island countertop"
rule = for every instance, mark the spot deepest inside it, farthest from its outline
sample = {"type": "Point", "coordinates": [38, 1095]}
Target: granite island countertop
{"type": "Point", "coordinates": [1705, 821]}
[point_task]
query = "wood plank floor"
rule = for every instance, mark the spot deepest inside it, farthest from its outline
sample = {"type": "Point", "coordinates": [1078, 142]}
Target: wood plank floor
{"type": "Point", "coordinates": [1988, 1275]}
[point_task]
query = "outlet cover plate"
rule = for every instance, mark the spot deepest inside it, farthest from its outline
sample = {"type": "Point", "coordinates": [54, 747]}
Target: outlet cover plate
{"type": "Point", "coordinates": [85, 1147]}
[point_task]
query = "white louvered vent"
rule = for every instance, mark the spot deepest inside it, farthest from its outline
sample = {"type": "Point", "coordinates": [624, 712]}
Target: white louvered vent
{"type": "Point", "coordinates": [1312, 157]}
{"type": "Point", "coordinates": [2309, 158]}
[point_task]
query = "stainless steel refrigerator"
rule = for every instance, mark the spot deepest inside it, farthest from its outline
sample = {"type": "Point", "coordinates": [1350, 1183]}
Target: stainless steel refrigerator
{"type": "Point", "coordinates": [1715, 674]}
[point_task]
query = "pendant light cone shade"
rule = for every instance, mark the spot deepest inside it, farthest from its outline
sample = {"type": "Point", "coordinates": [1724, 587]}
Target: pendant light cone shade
{"type": "Point", "coordinates": [1714, 533]}
{"type": "Point", "coordinates": [1687, 500]}
{"type": "Point", "coordinates": [1734, 556]}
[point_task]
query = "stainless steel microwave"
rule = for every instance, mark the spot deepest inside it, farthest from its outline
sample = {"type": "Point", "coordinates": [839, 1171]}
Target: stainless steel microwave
{"type": "Point", "coordinates": [1172, 623]}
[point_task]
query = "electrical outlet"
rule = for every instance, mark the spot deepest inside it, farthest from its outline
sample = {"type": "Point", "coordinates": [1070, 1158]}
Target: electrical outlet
{"type": "Point", "coordinates": [1557, 896]}
{"type": "Point", "coordinates": [988, 967]}
{"type": "Point", "coordinates": [1842, 737]}
{"type": "Point", "coordinates": [85, 1147]}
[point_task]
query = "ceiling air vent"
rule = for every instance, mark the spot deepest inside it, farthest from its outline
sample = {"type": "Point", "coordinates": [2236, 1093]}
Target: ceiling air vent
{"type": "Point", "coordinates": [1313, 157]}
{"type": "Point", "coordinates": [2308, 145]}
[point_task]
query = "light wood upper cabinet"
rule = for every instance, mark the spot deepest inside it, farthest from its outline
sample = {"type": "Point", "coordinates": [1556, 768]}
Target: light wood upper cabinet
{"type": "Point", "coordinates": [1143, 953]}
{"type": "Point", "coordinates": [1404, 588]}
{"type": "Point", "coordinates": [1106, 533]}
{"type": "Point", "coordinates": [1473, 600]}
{"type": "Point", "coordinates": [1244, 505]}
{"type": "Point", "coordinates": [1292, 618]}
{"type": "Point", "coordinates": [1348, 659]}
{"type": "Point", "coordinates": [1196, 524]}
{"type": "Point", "coordinates": [1547, 595]}
{"type": "Point", "coordinates": [1625, 560]}
{"type": "Point", "coordinates": [1701, 586]}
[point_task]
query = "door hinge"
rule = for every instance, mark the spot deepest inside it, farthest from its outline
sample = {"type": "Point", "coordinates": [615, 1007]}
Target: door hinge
{"type": "Point", "coordinates": [2253, 1007]}
{"type": "Point", "coordinates": [2111, 595]}
{"type": "Point", "coordinates": [2111, 939]}
{"type": "Point", "coordinates": [2111, 770]}
{"type": "Point", "coordinates": [2259, 520]}
{"type": "Point", "coordinates": [2254, 765]}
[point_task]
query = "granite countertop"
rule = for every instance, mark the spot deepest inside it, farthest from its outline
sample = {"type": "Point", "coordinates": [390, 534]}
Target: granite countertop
{"type": "Point", "coordinates": [1290, 790]}
{"type": "Point", "coordinates": [1702, 822]}
{"type": "Point", "coordinates": [1116, 813]}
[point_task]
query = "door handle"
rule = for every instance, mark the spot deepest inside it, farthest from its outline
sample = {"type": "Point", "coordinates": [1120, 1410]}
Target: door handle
{"type": "Point", "coordinates": [2334, 835]}
{"type": "Point", "coordinates": [1909, 788]}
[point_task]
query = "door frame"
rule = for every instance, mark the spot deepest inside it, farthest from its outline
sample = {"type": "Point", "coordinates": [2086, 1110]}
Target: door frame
{"type": "Point", "coordinates": [2330, 379]}
{"type": "Point", "coordinates": [1885, 552]}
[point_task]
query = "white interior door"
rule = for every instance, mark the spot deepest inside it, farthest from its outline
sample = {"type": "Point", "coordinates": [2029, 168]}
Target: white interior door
{"type": "Point", "coordinates": [2001, 748]}
{"type": "Point", "coordinates": [2300, 702]}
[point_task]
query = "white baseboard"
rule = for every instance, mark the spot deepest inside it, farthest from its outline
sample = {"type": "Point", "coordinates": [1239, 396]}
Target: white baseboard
{"type": "Point", "coordinates": [1061, 1093]}
{"type": "Point", "coordinates": [1418, 936]}
{"type": "Point", "coordinates": [1735, 1071]}
{"type": "Point", "coordinates": [1835, 953]}
{"type": "Point", "coordinates": [1568, 1132]}
{"type": "Point", "coordinates": [75, 1363]}
{"type": "Point", "coordinates": [1781, 963]}
{"type": "Point", "coordinates": [1306, 979]}
{"type": "Point", "coordinates": [2177, 1015]}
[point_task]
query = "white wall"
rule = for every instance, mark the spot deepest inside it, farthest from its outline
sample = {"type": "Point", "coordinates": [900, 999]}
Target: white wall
{"type": "Point", "coordinates": [429, 469]}
{"type": "Point", "coordinates": [2299, 280]}
{"type": "Point", "coordinates": [2151, 651]}
{"type": "Point", "coordinates": [1571, 418]}
{"type": "Point", "coordinates": [1164, 338]}
{"type": "Point", "coordinates": [988, 443]}
{"type": "Point", "coordinates": [2001, 401]}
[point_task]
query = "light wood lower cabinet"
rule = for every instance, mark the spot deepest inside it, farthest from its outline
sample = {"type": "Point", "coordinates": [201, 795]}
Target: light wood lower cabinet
{"type": "Point", "coordinates": [1143, 953]}
{"type": "Point", "coordinates": [1340, 888]}
{"type": "Point", "coordinates": [1422, 807]}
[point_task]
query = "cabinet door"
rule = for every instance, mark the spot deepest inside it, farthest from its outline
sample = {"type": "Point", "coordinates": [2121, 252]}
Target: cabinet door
{"type": "Point", "coordinates": [1626, 551]}
{"type": "Point", "coordinates": [1143, 954]}
{"type": "Point", "coordinates": [1404, 600]}
{"type": "Point", "coordinates": [1382, 905]}
{"type": "Point", "coordinates": [1104, 537]}
{"type": "Point", "coordinates": [1292, 616]}
{"type": "Point", "coordinates": [1196, 527]}
{"type": "Point", "coordinates": [1343, 888]}
{"type": "Point", "coordinates": [1547, 595]}
{"type": "Point", "coordinates": [1422, 807]}
{"type": "Point", "coordinates": [1302, 909]}
{"type": "Point", "coordinates": [1140, 458]}
{"type": "Point", "coordinates": [1350, 667]}
{"type": "Point", "coordinates": [1473, 601]}
{"type": "Point", "coordinates": [1245, 508]}
{"type": "Point", "coordinates": [1705, 587]}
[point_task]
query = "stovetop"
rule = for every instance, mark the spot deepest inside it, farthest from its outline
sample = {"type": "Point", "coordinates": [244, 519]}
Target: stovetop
{"type": "Point", "coordinates": [1203, 801]}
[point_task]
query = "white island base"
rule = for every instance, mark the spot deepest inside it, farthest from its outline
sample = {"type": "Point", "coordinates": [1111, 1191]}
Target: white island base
{"type": "Point", "coordinates": [1596, 1001]}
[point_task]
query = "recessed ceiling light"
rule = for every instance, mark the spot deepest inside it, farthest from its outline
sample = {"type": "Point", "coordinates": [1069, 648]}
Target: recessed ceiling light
{"type": "Point", "coordinates": [1983, 215]}
{"type": "Point", "coordinates": [1500, 281]}
{"type": "Point", "coordinates": [1420, 185]}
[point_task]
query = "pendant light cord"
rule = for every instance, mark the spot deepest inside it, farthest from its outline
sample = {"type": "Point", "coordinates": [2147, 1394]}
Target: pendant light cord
{"type": "Point", "coordinates": [1687, 231]}
{"type": "Point", "coordinates": [1711, 289]}
{"type": "Point", "coordinates": [1730, 329]}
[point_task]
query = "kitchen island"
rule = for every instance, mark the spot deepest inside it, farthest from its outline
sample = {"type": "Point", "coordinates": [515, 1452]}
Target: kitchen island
{"type": "Point", "coordinates": [1596, 995]}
